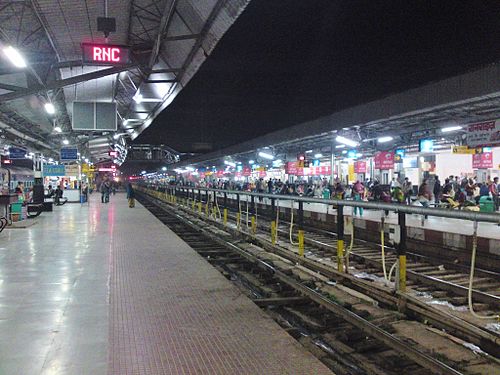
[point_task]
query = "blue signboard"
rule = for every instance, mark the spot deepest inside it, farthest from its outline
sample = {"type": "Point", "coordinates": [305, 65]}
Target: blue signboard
{"type": "Point", "coordinates": [69, 153]}
{"type": "Point", "coordinates": [17, 153]}
{"type": "Point", "coordinates": [54, 170]}
{"type": "Point", "coordinates": [401, 152]}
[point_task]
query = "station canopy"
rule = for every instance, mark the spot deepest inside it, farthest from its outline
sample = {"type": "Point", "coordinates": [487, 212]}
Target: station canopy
{"type": "Point", "coordinates": [151, 53]}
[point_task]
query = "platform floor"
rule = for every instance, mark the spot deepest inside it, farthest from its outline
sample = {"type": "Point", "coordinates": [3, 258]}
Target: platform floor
{"type": "Point", "coordinates": [104, 289]}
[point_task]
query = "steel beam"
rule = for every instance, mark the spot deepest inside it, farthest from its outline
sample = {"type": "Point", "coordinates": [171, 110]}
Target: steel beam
{"type": "Point", "coordinates": [64, 82]}
{"type": "Point", "coordinates": [168, 11]}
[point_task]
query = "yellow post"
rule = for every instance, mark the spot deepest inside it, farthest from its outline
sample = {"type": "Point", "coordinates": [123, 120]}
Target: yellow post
{"type": "Point", "coordinates": [340, 255]}
{"type": "Point", "coordinates": [199, 208]}
{"type": "Point", "coordinates": [402, 273]}
{"type": "Point", "coordinates": [225, 216]}
{"type": "Point", "coordinates": [273, 232]}
{"type": "Point", "coordinates": [206, 209]}
{"type": "Point", "coordinates": [301, 242]}
{"type": "Point", "coordinates": [253, 225]}
{"type": "Point", "coordinates": [193, 203]}
{"type": "Point", "coordinates": [238, 220]}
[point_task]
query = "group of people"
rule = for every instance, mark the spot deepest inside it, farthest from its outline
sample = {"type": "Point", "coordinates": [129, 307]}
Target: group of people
{"type": "Point", "coordinates": [466, 192]}
{"type": "Point", "coordinates": [455, 192]}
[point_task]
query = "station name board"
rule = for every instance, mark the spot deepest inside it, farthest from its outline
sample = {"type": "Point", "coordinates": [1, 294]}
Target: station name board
{"type": "Point", "coordinates": [105, 54]}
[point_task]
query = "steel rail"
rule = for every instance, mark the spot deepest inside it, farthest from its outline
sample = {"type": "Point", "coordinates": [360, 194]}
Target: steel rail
{"type": "Point", "coordinates": [438, 212]}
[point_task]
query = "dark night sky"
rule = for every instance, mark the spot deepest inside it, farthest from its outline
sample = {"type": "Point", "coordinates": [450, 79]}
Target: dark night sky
{"type": "Point", "coordinates": [288, 61]}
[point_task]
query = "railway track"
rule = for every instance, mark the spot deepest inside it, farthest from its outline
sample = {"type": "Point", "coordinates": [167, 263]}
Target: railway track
{"type": "Point", "coordinates": [445, 282]}
{"type": "Point", "coordinates": [370, 340]}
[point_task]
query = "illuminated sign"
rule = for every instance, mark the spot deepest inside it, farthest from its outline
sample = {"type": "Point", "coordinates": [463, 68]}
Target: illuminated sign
{"type": "Point", "coordinates": [7, 161]}
{"type": "Point", "coordinates": [113, 154]}
{"type": "Point", "coordinates": [105, 54]}
{"type": "Point", "coordinates": [426, 145]}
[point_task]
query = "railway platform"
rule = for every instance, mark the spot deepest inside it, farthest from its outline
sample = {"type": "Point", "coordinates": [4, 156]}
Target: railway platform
{"type": "Point", "coordinates": [104, 289]}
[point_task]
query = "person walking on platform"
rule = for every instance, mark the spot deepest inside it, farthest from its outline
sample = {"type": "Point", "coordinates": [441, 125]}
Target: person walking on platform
{"type": "Point", "coordinates": [130, 196]}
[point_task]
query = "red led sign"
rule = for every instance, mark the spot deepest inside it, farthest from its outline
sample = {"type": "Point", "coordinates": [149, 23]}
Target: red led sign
{"type": "Point", "coordinates": [113, 154]}
{"type": "Point", "coordinates": [105, 54]}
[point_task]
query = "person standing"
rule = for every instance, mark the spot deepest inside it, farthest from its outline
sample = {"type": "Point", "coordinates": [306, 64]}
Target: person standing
{"type": "Point", "coordinates": [437, 190]}
{"type": "Point", "coordinates": [407, 190]}
{"type": "Point", "coordinates": [130, 196]}
{"type": "Point", "coordinates": [359, 194]}
{"type": "Point", "coordinates": [495, 193]}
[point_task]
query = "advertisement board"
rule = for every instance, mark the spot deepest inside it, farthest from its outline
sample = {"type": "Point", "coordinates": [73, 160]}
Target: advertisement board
{"type": "Point", "coordinates": [482, 161]}
{"type": "Point", "coordinates": [291, 167]}
{"type": "Point", "coordinates": [483, 133]}
{"type": "Point", "coordinates": [247, 171]}
{"type": "Point", "coordinates": [384, 160]}
{"type": "Point", "coordinates": [360, 166]}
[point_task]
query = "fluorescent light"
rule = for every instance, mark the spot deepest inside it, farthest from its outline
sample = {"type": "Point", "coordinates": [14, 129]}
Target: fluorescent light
{"type": "Point", "coordinates": [346, 141]}
{"type": "Point", "coordinates": [309, 151]}
{"type": "Point", "coordinates": [344, 151]}
{"type": "Point", "coordinates": [340, 146]}
{"type": "Point", "coordinates": [116, 136]}
{"type": "Point", "coordinates": [51, 160]}
{"type": "Point", "coordinates": [384, 139]}
{"type": "Point", "coordinates": [57, 129]}
{"type": "Point", "coordinates": [50, 109]}
{"type": "Point", "coordinates": [189, 169]}
{"type": "Point", "coordinates": [65, 141]}
{"type": "Point", "coordinates": [251, 162]}
{"type": "Point", "coordinates": [265, 155]}
{"type": "Point", "coordinates": [15, 57]}
{"type": "Point", "coordinates": [450, 129]}
{"type": "Point", "coordinates": [229, 163]}
{"type": "Point", "coordinates": [317, 156]}
{"type": "Point", "coordinates": [163, 169]}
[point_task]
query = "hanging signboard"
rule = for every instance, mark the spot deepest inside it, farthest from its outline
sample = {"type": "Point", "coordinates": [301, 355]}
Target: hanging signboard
{"type": "Point", "coordinates": [105, 54]}
{"type": "Point", "coordinates": [291, 167]}
{"type": "Point", "coordinates": [262, 174]}
{"type": "Point", "coordinates": [220, 174]}
{"type": "Point", "coordinates": [17, 153]}
{"type": "Point", "coordinates": [483, 133]}
{"type": "Point", "coordinates": [247, 171]}
{"type": "Point", "coordinates": [72, 170]}
{"type": "Point", "coordinates": [482, 161]}
{"type": "Point", "coordinates": [463, 150]}
{"type": "Point", "coordinates": [237, 174]}
{"type": "Point", "coordinates": [360, 166]}
{"type": "Point", "coordinates": [69, 153]}
{"type": "Point", "coordinates": [54, 170]}
{"type": "Point", "coordinates": [384, 160]}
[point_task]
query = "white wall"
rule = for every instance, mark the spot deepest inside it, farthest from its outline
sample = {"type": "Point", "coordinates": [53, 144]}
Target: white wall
{"type": "Point", "coordinates": [455, 164]}
{"type": "Point", "coordinates": [448, 164]}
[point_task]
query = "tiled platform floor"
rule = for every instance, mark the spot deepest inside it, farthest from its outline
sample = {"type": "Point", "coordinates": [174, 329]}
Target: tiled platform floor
{"type": "Point", "coordinates": [104, 289]}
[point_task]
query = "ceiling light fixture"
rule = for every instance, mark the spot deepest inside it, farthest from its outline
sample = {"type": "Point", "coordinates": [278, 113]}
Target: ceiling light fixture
{"type": "Point", "coordinates": [346, 141]}
{"type": "Point", "coordinates": [265, 155]}
{"type": "Point", "coordinates": [15, 57]}
{"type": "Point", "coordinates": [451, 129]}
{"type": "Point", "coordinates": [384, 139]}
{"type": "Point", "coordinates": [50, 109]}
{"type": "Point", "coordinates": [57, 129]}
{"type": "Point", "coordinates": [65, 142]}
{"type": "Point", "coordinates": [317, 156]}
{"type": "Point", "coordinates": [340, 146]}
